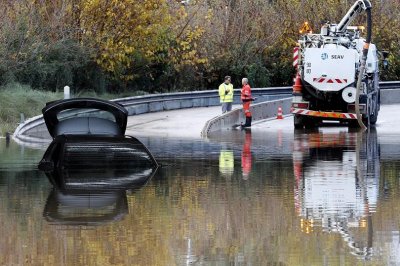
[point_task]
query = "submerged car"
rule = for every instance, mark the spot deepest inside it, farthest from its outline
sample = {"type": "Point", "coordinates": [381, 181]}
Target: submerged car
{"type": "Point", "coordinates": [86, 128]}
{"type": "Point", "coordinates": [91, 163]}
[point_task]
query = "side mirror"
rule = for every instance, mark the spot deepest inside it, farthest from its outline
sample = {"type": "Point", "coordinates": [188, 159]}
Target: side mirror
{"type": "Point", "coordinates": [385, 63]}
{"type": "Point", "coordinates": [384, 55]}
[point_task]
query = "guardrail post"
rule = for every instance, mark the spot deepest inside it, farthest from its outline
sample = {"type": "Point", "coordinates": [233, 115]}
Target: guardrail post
{"type": "Point", "coordinates": [67, 92]}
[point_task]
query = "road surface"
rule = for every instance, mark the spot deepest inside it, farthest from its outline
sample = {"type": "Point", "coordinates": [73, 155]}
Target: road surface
{"type": "Point", "coordinates": [188, 123]}
{"type": "Point", "coordinates": [183, 123]}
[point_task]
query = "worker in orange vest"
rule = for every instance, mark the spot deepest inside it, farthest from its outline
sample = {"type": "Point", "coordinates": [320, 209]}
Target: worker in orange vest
{"type": "Point", "coordinates": [246, 98]}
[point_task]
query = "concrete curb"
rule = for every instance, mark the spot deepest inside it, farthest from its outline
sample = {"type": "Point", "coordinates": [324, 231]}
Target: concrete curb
{"type": "Point", "coordinates": [260, 111]}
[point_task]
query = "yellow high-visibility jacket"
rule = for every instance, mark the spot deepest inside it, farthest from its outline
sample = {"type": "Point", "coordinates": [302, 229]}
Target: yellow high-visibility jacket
{"type": "Point", "coordinates": [225, 93]}
{"type": "Point", "coordinates": [226, 162]}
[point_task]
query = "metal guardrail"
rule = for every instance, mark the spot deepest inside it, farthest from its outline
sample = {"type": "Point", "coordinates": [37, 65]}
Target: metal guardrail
{"type": "Point", "coordinates": [170, 101]}
{"type": "Point", "coordinates": [197, 95]}
{"type": "Point", "coordinates": [214, 94]}
{"type": "Point", "coordinates": [386, 85]}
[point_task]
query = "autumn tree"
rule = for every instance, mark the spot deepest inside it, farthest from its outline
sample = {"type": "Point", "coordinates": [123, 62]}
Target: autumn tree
{"type": "Point", "coordinates": [131, 37]}
{"type": "Point", "coordinates": [162, 45]}
{"type": "Point", "coordinates": [37, 44]}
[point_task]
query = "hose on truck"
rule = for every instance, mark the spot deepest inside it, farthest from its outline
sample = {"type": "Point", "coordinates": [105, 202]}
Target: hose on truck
{"type": "Point", "coordinates": [362, 66]}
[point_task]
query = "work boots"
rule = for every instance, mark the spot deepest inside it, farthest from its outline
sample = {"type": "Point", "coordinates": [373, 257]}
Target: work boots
{"type": "Point", "coordinates": [248, 122]}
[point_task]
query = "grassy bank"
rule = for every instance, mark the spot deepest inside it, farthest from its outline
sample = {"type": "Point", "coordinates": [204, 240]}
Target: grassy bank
{"type": "Point", "coordinates": [16, 99]}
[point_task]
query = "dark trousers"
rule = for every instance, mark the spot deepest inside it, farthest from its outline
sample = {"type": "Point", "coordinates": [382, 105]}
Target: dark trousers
{"type": "Point", "coordinates": [226, 107]}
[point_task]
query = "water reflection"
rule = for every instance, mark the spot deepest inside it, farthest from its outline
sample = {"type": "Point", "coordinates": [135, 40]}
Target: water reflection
{"type": "Point", "coordinates": [8, 137]}
{"type": "Point", "coordinates": [226, 162]}
{"type": "Point", "coordinates": [85, 208]}
{"type": "Point", "coordinates": [93, 196]}
{"type": "Point", "coordinates": [337, 185]}
{"type": "Point", "coordinates": [243, 141]}
{"type": "Point", "coordinates": [246, 156]}
{"type": "Point", "coordinates": [192, 214]}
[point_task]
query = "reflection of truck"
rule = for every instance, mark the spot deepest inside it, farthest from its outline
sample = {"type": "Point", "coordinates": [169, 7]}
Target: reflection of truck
{"type": "Point", "coordinates": [328, 66]}
{"type": "Point", "coordinates": [337, 182]}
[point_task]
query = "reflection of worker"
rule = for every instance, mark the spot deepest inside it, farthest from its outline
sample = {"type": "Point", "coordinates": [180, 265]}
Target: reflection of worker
{"type": "Point", "coordinates": [226, 163]}
{"type": "Point", "coordinates": [246, 100]}
{"type": "Point", "coordinates": [246, 156]}
{"type": "Point", "coordinates": [8, 137]}
{"type": "Point", "coordinates": [225, 91]}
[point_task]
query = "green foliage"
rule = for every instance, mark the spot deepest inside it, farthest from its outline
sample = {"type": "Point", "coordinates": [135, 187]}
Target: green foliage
{"type": "Point", "coordinates": [386, 35]}
{"type": "Point", "coordinates": [53, 65]}
{"type": "Point", "coordinates": [16, 99]}
{"type": "Point", "coordinates": [279, 63]}
{"type": "Point", "coordinates": [38, 52]}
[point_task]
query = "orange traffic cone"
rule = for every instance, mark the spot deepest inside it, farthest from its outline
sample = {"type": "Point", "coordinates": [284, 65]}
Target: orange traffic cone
{"type": "Point", "coordinates": [297, 86]}
{"type": "Point", "coordinates": [280, 115]}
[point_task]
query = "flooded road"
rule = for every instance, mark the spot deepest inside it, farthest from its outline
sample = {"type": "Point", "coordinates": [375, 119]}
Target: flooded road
{"type": "Point", "coordinates": [328, 197]}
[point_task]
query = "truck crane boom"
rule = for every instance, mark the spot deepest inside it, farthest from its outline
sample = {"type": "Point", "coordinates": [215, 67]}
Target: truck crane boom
{"type": "Point", "coordinates": [356, 9]}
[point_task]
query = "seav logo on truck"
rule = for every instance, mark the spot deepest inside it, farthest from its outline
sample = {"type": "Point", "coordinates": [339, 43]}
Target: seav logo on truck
{"type": "Point", "coordinates": [337, 56]}
{"type": "Point", "coordinates": [325, 56]}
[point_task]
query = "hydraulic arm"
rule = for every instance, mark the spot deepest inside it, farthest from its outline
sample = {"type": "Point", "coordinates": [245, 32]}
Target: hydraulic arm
{"type": "Point", "coordinates": [356, 9]}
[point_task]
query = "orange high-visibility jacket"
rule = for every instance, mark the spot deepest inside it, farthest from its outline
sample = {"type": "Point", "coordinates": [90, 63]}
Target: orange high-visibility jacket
{"type": "Point", "coordinates": [245, 95]}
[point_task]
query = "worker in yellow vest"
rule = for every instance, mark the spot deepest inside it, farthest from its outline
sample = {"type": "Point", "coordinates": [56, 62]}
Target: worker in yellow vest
{"type": "Point", "coordinates": [226, 94]}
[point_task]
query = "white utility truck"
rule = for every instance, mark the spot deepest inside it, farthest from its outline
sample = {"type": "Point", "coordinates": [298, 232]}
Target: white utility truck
{"type": "Point", "coordinates": [329, 65]}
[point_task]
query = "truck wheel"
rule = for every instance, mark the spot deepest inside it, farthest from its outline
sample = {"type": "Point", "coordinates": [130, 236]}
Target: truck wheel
{"type": "Point", "coordinates": [373, 117]}
{"type": "Point", "coordinates": [366, 119]}
{"type": "Point", "coordinates": [310, 122]}
{"type": "Point", "coordinates": [354, 124]}
{"type": "Point", "coordinates": [298, 121]}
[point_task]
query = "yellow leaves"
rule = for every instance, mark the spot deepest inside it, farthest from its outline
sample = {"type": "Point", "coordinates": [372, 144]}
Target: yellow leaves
{"type": "Point", "coordinates": [181, 13]}
{"type": "Point", "coordinates": [202, 61]}
{"type": "Point", "coordinates": [120, 29]}
{"type": "Point", "coordinates": [129, 50]}
{"type": "Point", "coordinates": [128, 77]}
{"type": "Point", "coordinates": [209, 15]}
{"type": "Point", "coordinates": [185, 45]}
{"type": "Point", "coordinates": [124, 31]}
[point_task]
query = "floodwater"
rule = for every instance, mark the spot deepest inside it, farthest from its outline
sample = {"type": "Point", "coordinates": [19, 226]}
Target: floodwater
{"type": "Point", "coordinates": [243, 198]}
